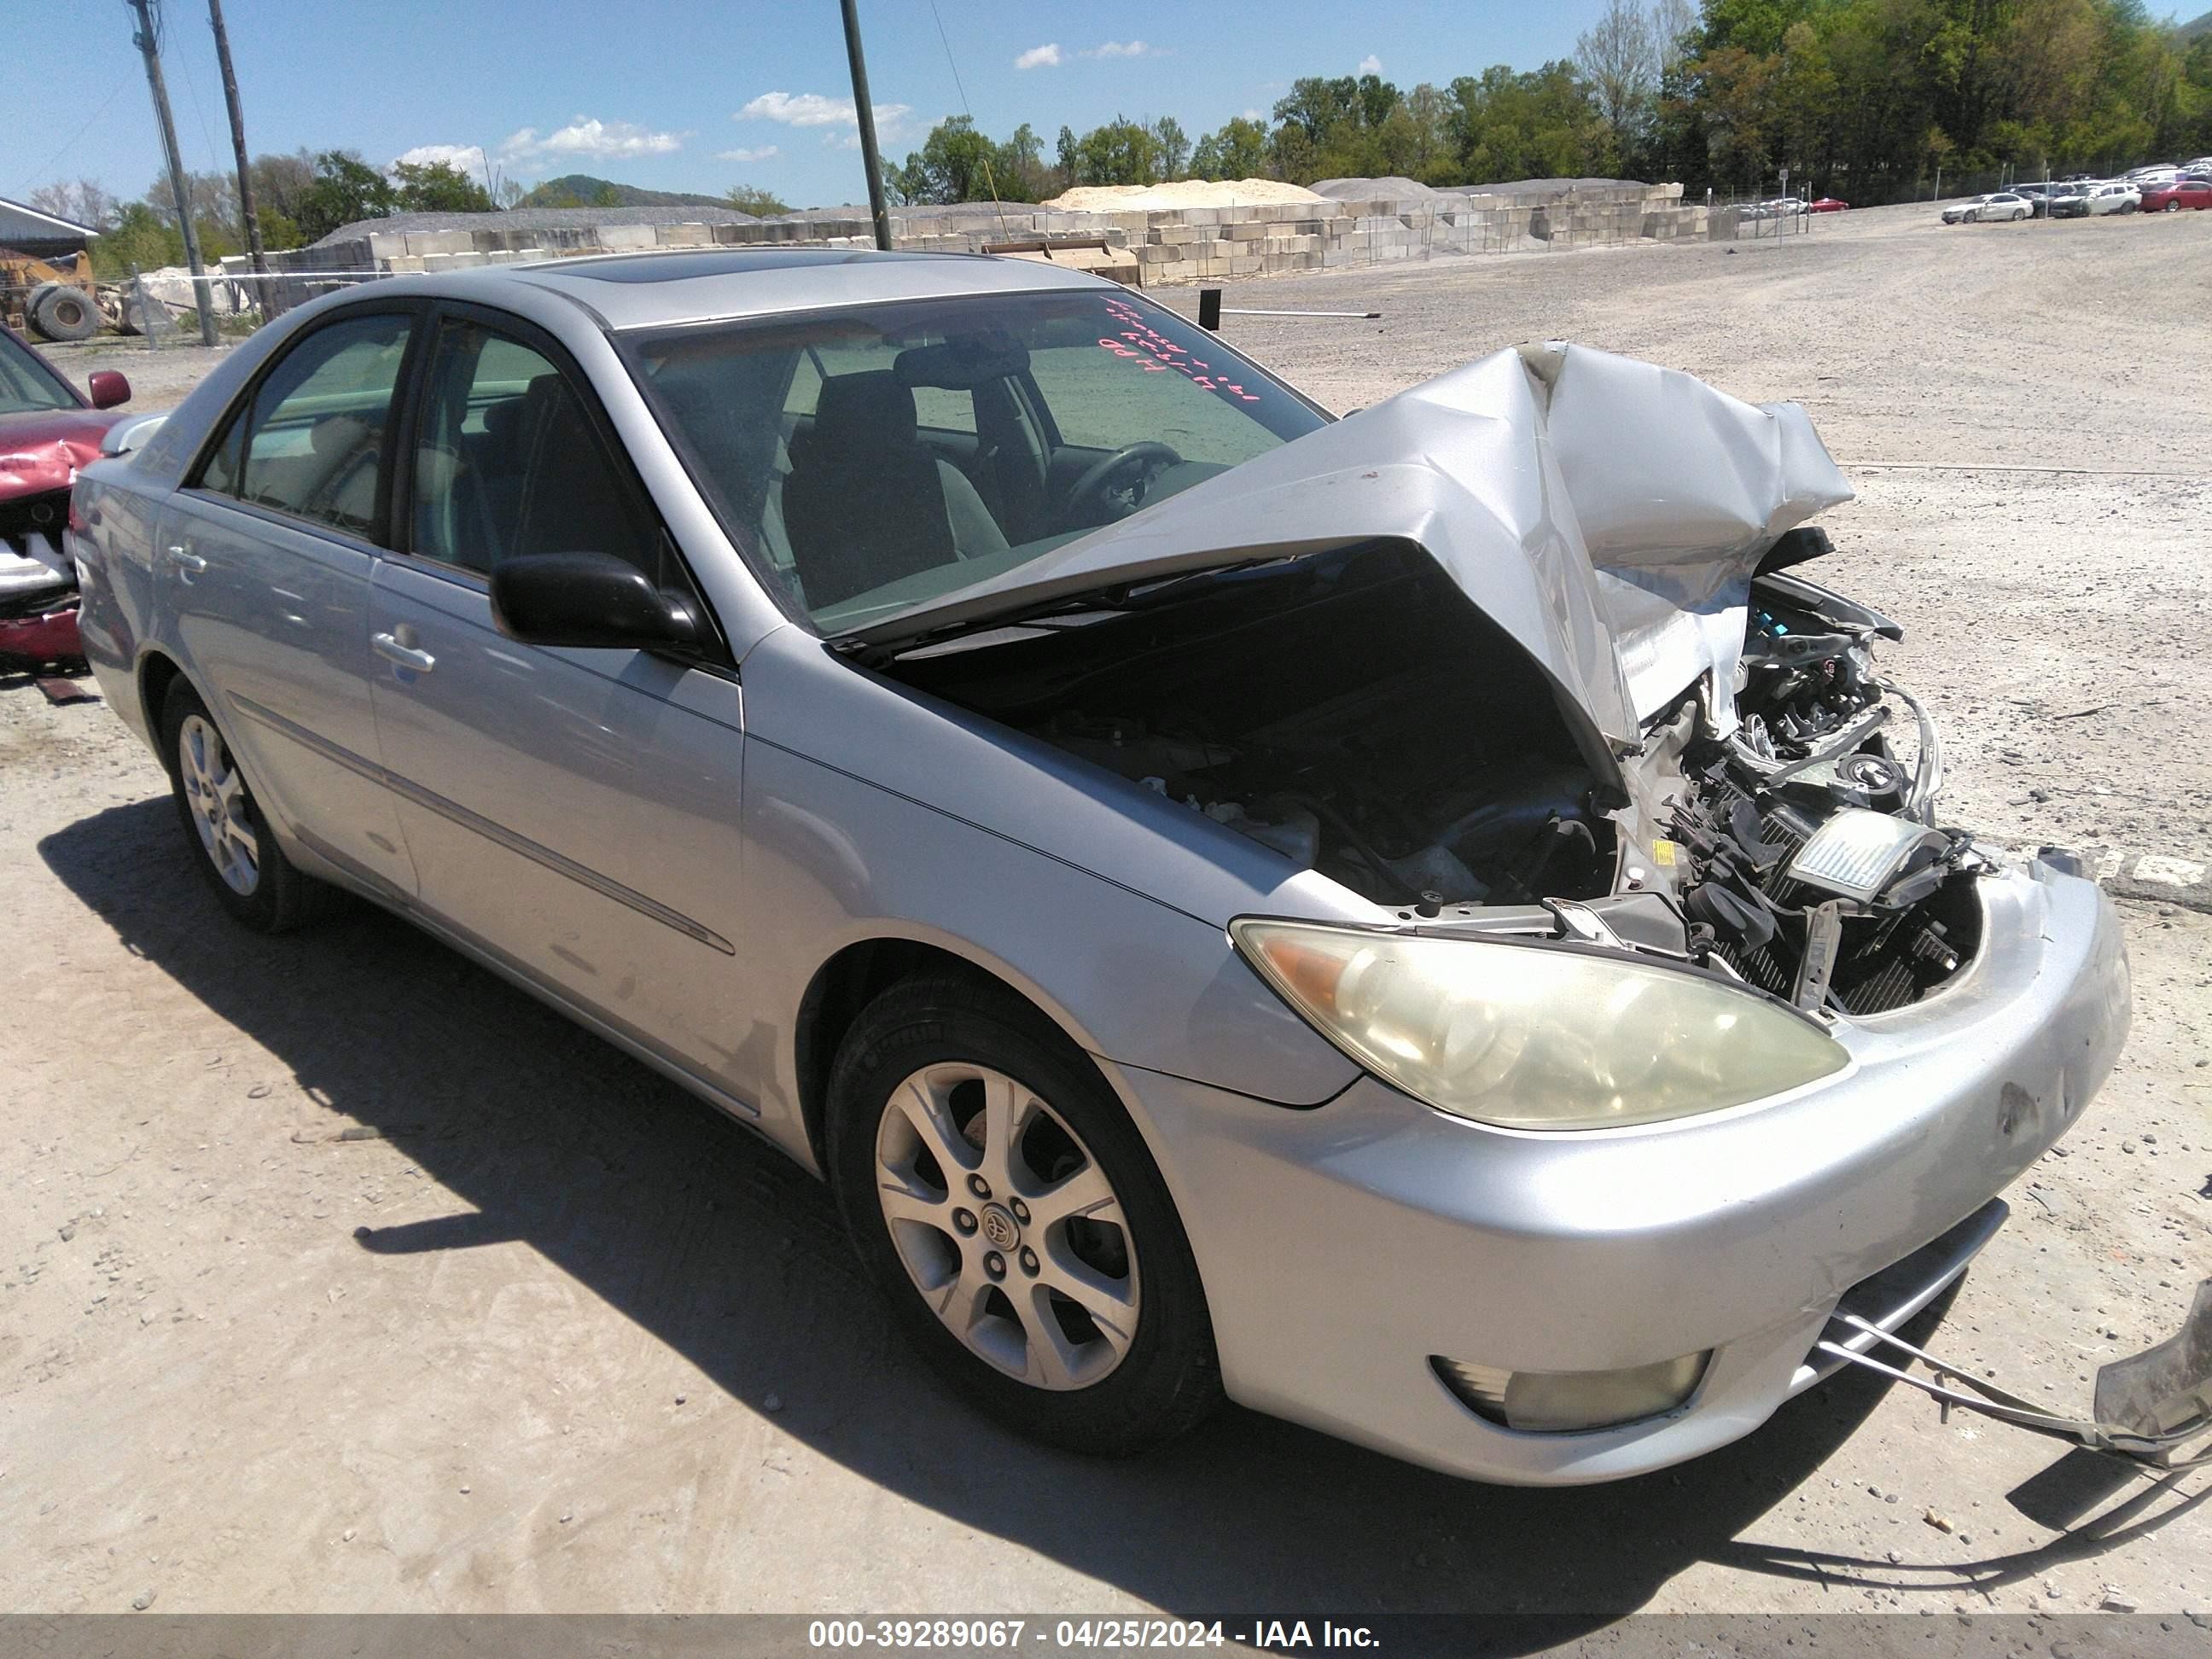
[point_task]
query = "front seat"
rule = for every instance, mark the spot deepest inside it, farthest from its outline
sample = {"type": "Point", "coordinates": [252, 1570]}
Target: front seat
{"type": "Point", "coordinates": [866, 503]}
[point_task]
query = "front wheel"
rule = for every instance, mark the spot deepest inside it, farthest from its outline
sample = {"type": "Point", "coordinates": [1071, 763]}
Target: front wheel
{"type": "Point", "coordinates": [233, 846]}
{"type": "Point", "coordinates": [1005, 1204]}
{"type": "Point", "coordinates": [2173, 207]}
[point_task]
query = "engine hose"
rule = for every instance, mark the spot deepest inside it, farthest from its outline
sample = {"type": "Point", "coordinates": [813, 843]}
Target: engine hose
{"type": "Point", "coordinates": [1927, 765]}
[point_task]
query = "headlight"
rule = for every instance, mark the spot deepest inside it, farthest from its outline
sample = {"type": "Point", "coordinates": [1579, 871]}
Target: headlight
{"type": "Point", "coordinates": [1536, 1038]}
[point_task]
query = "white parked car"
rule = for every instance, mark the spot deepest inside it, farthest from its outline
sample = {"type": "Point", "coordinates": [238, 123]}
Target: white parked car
{"type": "Point", "coordinates": [2001, 205]}
{"type": "Point", "coordinates": [2114, 198]}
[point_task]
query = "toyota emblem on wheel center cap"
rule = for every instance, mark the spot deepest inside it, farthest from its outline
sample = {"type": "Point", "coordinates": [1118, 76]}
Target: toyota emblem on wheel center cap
{"type": "Point", "coordinates": [1003, 1231]}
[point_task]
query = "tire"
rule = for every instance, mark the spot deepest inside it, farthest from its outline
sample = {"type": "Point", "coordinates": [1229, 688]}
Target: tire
{"type": "Point", "coordinates": [65, 313]}
{"type": "Point", "coordinates": [913, 1074]}
{"type": "Point", "coordinates": [2173, 207]}
{"type": "Point", "coordinates": [230, 839]}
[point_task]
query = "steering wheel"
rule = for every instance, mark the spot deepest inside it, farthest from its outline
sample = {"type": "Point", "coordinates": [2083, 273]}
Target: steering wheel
{"type": "Point", "coordinates": [1150, 456]}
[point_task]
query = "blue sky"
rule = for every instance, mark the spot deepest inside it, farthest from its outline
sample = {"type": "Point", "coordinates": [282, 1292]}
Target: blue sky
{"type": "Point", "coordinates": [694, 94]}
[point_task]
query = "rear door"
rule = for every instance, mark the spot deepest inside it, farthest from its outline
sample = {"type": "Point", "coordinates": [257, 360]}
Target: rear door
{"type": "Point", "coordinates": [263, 562]}
{"type": "Point", "coordinates": [575, 811]}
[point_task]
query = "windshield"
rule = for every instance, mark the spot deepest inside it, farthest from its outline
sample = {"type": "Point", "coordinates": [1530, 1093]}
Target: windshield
{"type": "Point", "coordinates": [27, 384]}
{"type": "Point", "coordinates": [873, 459]}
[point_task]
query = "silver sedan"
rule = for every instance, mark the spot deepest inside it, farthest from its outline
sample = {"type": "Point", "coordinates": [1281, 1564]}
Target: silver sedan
{"type": "Point", "coordinates": [1417, 923]}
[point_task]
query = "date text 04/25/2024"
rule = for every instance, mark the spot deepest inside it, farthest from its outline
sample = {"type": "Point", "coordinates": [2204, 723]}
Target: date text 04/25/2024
{"type": "Point", "coordinates": [1281, 1635]}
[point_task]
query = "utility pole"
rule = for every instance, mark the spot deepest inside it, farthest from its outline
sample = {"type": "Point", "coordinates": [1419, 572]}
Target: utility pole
{"type": "Point", "coordinates": [867, 112]}
{"type": "Point", "coordinates": [245, 208]}
{"type": "Point", "coordinates": [150, 46]}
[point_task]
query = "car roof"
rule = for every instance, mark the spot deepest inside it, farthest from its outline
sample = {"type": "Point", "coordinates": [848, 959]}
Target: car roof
{"type": "Point", "coordinates": [666, 287]}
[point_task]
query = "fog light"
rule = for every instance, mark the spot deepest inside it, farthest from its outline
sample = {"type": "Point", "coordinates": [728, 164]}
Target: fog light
{"type": "Point", "coordinates": [1558, 1402]}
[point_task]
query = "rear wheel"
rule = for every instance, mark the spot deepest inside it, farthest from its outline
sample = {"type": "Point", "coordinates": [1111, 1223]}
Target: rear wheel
{"type": "Point", "coordinates": [1003, 1202]}
{"type": "Point", "coordinates": [65, 313]}
{"type": "Point", "coordinates": [241, 858]}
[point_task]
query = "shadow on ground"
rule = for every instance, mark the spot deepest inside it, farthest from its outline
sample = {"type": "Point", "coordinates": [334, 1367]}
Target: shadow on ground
{"type": "Point", "coordinates": [716, 1244]}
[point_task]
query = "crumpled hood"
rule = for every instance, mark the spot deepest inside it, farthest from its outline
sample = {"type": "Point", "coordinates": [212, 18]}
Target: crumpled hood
{"type": "Point", "coordinates": [1608, 514]}
{"type": "Point", "coordinates": [41, 449]}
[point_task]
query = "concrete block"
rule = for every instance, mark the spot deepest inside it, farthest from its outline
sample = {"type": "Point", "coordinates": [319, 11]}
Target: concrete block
{"type": "Point", "coordinates": [622, 239]}
{"type": "Point", "coordinates": [464, 261]}
{"type": "Point", "coordinates": [686, 235]}
{"type": "Point", "coordinates": [440, 241]}
{"type": "Point", "coordinates": [436, 261]}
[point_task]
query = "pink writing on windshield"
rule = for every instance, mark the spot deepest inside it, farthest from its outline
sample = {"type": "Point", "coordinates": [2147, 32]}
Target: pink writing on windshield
{"type": "Point", "coordinates": [1156, 353]}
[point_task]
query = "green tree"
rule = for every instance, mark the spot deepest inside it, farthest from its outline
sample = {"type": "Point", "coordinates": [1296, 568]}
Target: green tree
{"type": "Point", "coordinates": [760, 204]}
{"type": "Point", "coordinates": [1120, 152]}
{"type": "Point", "coordinates": [1172, 144]}
{"type": "Point", "coordinates": [439, 187]}
{"type": "Point", "coordinates": [139, 239]}
{"type": "Point", "coordinates": [1237, 150]}
{"type": "Point", "coordinates": [1538, 123]}
{"type": "Point", "coordinates": [346, 191]}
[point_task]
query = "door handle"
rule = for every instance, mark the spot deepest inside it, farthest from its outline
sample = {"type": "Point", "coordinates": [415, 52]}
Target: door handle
{"type": "Point", "coordinates": [187, 560]}
{"type": "Point", "coordinates": [389, 647]}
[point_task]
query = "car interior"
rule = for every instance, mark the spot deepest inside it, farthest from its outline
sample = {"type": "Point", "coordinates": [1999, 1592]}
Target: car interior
{"type": "Point", "coordinates": [869, 468]}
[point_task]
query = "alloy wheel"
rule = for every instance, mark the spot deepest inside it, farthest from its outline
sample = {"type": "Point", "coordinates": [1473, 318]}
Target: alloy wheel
{"type": "Point", "coordinates": [1007, 1225]}
{"type": "Point", "coordinates": [215, 791]}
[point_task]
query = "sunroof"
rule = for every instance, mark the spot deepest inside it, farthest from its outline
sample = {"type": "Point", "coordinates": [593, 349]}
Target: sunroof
{"type": "Point", "coordinates": [674, 267]}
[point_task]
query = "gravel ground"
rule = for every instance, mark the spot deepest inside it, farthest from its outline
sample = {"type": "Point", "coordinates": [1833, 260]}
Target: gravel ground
{"type": "Point", "coordinates": [336, 1275]}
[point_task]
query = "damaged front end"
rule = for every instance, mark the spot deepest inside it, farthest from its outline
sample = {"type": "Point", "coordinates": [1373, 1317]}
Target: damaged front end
{"type": "Point", "coordinates": [1527, 635]}
{"type": "Point", "coordinates": [1528, 651]}
{"type": "Point", "coordinates": [1804, 845]}
{"type": "Point", "coordinates": [38, 581]}
{"type": "Point", "coordinates": [2152, 1409]}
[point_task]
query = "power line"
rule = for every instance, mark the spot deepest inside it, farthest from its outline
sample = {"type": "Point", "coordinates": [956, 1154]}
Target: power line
{"type": "Point", "coordinates": [985, 152]}
{"type": "Point", "coordinates": [32, 179]}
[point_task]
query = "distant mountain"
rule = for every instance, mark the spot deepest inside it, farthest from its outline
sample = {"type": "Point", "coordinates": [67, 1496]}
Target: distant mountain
{"type": "Point", "coordinates": [582, 189]}
{"type": "Point", "coordinates": [2195, 26]}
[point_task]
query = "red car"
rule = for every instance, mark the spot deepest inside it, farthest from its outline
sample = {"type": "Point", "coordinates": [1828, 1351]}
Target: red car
{"type": "Point", "coordinates": [47, 431]}
{"type": "Point", "coordinates": [1828, 204]}
{"type": "Point", "coordinates": [2181, 193]}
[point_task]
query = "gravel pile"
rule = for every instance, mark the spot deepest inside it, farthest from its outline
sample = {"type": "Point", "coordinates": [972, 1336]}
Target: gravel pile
{"type": "Point", "coordinates": [1184, 193]}
{"type": "Point", "coordinates": [582, 218]}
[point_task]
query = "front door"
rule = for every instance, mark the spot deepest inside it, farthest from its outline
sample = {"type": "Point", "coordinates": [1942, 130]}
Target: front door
{"type": "Point", "coordinates": [577, 812]}
{"type": "Point", "coordinates": [265, 556]}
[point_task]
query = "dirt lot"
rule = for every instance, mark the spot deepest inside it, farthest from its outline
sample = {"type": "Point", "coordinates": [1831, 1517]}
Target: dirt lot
{"type": "Point", "coordinates": [561, 1339]}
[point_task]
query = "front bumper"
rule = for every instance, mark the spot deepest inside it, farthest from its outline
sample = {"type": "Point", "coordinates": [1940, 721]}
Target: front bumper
{"type": "Point", "coordinates": [1342, 1247]}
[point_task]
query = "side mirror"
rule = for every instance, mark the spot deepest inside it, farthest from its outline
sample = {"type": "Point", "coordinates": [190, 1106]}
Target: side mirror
{"type": "Point", "coordinates": [588, 599]}
{"type": "Point", "coordinates": [109, 388]}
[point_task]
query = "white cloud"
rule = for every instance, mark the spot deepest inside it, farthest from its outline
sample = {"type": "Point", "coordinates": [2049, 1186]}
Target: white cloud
{"type": "Point", "coordinates": [1256, 115]}
{"type": "Point", "coordinates": [1043, 56]}
{"type": "Point", "coordinates": [812, 109]}
{"type": "Point", "coordinates": [807, 109]}
{"type": "Point", "coordinates": [1371, 64]}
{"type": "Point", "coordinates": [467, 160]}
{"type": "Point", "coordinates": [1125, 49]}
{"type": "Point", "coordinates": [585, 135]}
{"type": "Point", "coordinates": [760, 154]}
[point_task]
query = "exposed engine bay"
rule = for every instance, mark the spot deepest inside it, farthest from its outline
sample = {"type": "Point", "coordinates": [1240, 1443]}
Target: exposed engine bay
{"type": "Point", "coordinates": [1807, 856]}
{"type": "Point", "coordinates": [1356, 715]}
{"type": "Point", "coordinates": [1354, 712]}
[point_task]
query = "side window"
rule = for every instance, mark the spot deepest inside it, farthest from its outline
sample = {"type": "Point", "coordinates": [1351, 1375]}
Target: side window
{"type": "Point", "coordinates": [508, 462]}
{"type": "Point", "coordinates": [313, 445]}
